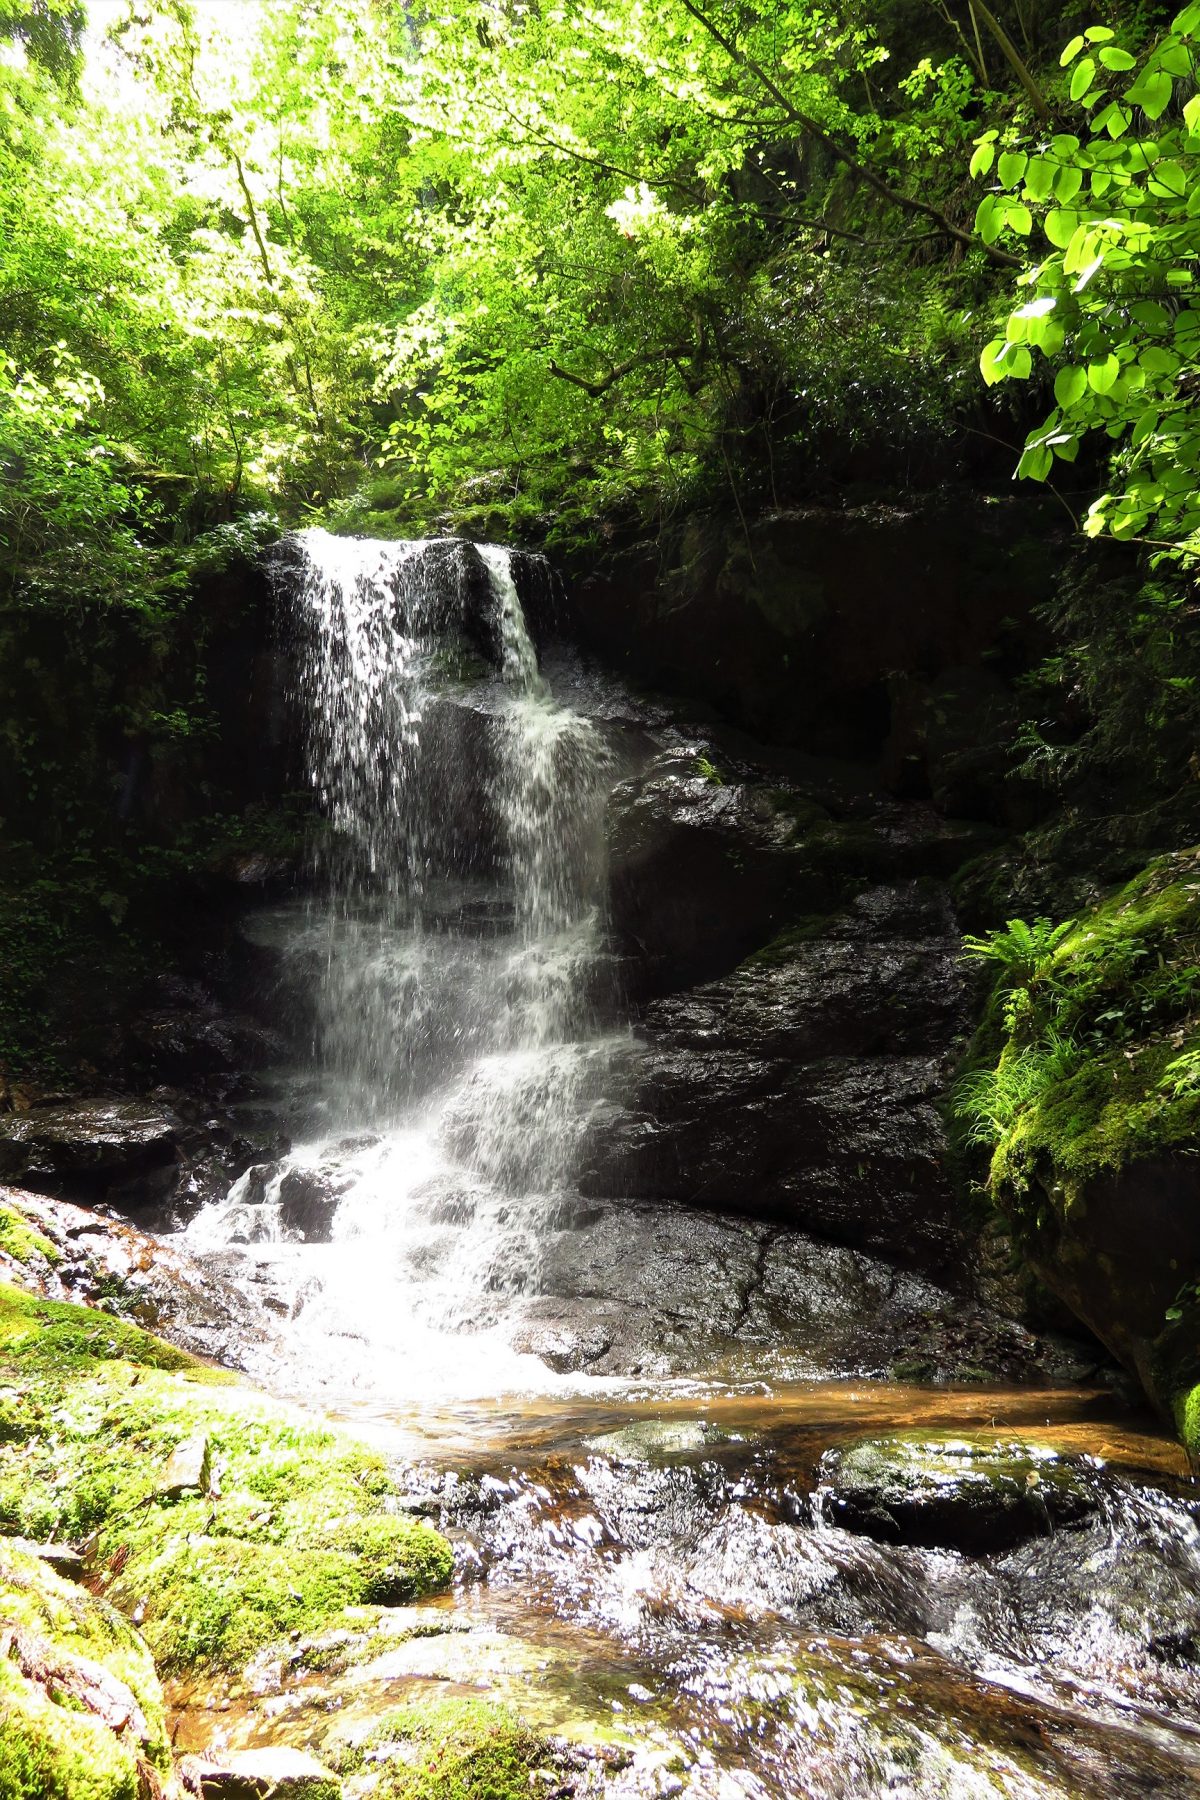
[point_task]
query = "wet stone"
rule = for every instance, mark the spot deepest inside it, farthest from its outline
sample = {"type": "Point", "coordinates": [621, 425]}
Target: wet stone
{"type": "Point", "coordinates": [98, 1139]}
{"type": "Point", "coordinates": [188, 1466]}
{"type": "Point", "coordinates": [275, 1774]}
{"type": "Point", "coordinates": [308, 1199]}
{"type": "Point", "coordinates": [979, 1495]}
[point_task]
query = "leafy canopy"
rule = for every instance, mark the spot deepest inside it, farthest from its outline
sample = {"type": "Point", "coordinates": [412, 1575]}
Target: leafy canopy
{"type": "Point", "coordinates": [1112, 213]}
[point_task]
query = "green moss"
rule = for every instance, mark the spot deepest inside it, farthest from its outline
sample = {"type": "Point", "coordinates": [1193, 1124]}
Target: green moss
{"type": "Point", "coordinates": [1088, 1056]}
{"type": "Point", "coordinates": [1187, 1421]}
{"type": "Point", "coordinates": [51, 1337]}
{"type": "Point", "coordinates": [305, 1522]}
{"type": "Point", "coordinates": [451, 1750]}
{"type": "Point", "coordinates": [20, 1240]}
{"type": "Point", "coordinates": [53, 1744]}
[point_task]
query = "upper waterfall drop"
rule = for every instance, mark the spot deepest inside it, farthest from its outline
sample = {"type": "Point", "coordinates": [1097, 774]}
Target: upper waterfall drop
{"type": "Point", "coordinates": [447, 955]}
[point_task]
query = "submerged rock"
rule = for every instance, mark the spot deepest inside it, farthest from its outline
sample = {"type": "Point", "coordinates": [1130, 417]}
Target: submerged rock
{"type": "Point", "coordinates": [975, 1494]}
{"type": "Point", "coordinates": [275, 1774]}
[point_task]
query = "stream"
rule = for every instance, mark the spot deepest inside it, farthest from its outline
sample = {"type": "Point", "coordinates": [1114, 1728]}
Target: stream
{"type": "Point", "coordinates": [628, 1417]}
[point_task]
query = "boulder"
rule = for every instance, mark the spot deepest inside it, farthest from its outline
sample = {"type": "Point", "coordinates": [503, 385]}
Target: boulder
{"type": "Point", "coordinates": [975, 1494]}
{"type": "Point", "coordinates": [95, 1141]}
{"type": "Point", "coordinates": [91, 1259]}
{"type": "Point", "coordinates": [308, 1199]}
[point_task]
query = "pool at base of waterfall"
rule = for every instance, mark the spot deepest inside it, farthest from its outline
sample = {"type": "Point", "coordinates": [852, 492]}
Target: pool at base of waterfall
{"type": "Point", "coordinates": [654, 1580]}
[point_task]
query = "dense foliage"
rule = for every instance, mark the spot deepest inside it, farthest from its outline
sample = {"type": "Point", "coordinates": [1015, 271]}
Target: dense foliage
{"type": "Point", "coordinates": [1114, 217]}
{"type": "Point", "coordinates": [544, 263]}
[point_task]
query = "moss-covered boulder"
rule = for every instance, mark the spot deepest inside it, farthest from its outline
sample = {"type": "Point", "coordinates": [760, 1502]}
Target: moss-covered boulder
{"type": "Point", "coordinates": [81, 1710]}
{"type": "Point", "coordinates": [977, 1494]}
{"type": "Point", "coordinates": [288, 1521]}
{"type": "Point", "coordinates": [451, 1750]}
{"type": "Point", "coordinates": [1086, 1085]}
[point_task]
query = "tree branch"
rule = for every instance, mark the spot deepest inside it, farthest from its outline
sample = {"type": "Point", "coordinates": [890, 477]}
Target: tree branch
{"type": "Point", "coordinates": [597, 389]}
{"type": "Point", "coordinates": [864, 174]}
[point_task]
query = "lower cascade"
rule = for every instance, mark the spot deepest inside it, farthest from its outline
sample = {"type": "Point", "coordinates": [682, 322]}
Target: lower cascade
{"type": "Point", "coordinates": [448, 963]}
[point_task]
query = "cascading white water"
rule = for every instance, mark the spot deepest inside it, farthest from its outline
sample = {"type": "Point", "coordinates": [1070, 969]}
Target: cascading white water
{"type": "Point", "coordinates": [449, 958]}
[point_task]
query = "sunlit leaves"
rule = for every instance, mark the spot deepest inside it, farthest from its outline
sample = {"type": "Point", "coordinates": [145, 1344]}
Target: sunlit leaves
{"type": "Point", "coordinates": [1116, 230]}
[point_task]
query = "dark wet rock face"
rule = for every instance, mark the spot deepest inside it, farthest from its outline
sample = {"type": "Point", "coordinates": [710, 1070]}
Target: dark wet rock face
{"type": "Point", "coordinates": [102, 1140]}
{"type": "Point", "coordinates": [654, 1290]}
{"type": "Point", "coordinates": [157, 1158]}
{"type": "Point", "coordinates": [308, 1200]}
{"type": "Point", "coordinates": [970, 1494]}
{"type": "Point", "coordinates": [189, 1035]}
{"type": "Point", "coordinates": [804, 1084]}
{"type": "Point", "coordinates": [710, 860]}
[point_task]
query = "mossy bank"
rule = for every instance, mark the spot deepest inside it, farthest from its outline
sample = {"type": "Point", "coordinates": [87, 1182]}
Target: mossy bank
{"type": "Point", "coordinates": [1084, 1085]}
{"type": "Point", "coordinates": [212, 1519]}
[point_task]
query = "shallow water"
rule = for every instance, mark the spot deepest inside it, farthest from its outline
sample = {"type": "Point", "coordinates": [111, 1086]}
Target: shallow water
{"type": "Point", "coordinates": [652, 1571]}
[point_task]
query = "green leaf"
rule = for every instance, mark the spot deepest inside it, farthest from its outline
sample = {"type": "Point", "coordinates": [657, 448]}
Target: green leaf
{"type": "Point", "coordinates": [1040, 177]}
{"type": "Point", "coordinates": [1011, 167]}
{"type": "Point", "coordinates": [1036, 463]}
{"type": "Point", "coordinates": [1175, 59]}
{"type": "Point", "coordinates": [1114, 58]}
{"type": "Point", "coordinates": [984, 157]}
{"type": "Point", "coordinates": [1103, 373]}
{"type": "Point", "coordinates": [1099, 34]}
{"type": "Point", "coordinates": [1067, 184]}
{"type": "Point", "coordinates": [1060, 227]}
{"type": "Point", "coordinates": [1152, 91]}
{"type": "Point", "coordinates": [1145, 426]}
{"type": "Point", "coordinates": [989, 220]}
{"type": "Point", "coordinates": [1082, 79]}
{"type": "Point", "coordinates": [1070, 385]}
{"type": "Point", "coordinates": [1158, 361]}
{"type": "Point", "coordinates": [1072, 51]}
{"type": "Point", "coordinates": [1191, 114]}
{"type": "Point", "coordinates": [990, 361]}
{"type": "Point", "coordinates": [1170, 178]}
{"type": "Point", "coordinates": [1018, 217]}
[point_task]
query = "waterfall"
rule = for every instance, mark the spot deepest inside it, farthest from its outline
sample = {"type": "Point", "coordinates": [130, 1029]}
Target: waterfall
{"type": "Point", "coordinates": [448, 949]}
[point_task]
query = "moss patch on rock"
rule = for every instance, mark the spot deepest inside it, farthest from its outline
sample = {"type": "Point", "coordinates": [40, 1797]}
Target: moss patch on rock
{"type": "Point", "coordinates": [81, 1710]}
{"type": "Point", "coordinates": [450, 1750]}
{"type": "Point", "coordinates": [21, 1242]}
{"type": "Point", "coordinates": [1089, 1055]}
{"type": "Point", "coordinates": [974, 1493]}
{"type": "Point", "coordinates": [287, 1521]}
